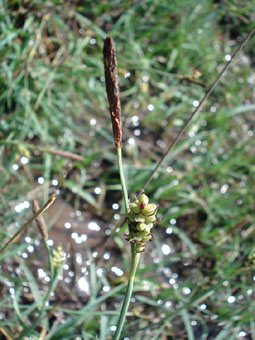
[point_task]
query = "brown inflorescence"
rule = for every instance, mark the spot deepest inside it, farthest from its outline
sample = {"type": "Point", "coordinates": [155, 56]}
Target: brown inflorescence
{"type": "Point", "coordinates": [40, 221]}
{"type": "Point", "coordinates": [112, 89]}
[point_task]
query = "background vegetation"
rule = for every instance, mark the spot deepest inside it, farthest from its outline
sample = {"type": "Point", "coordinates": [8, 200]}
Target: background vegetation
{"type": "Point", "coordinates": [197, 278]}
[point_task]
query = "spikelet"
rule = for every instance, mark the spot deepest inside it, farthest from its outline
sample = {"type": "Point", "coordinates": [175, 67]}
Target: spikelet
{"type": "Point", "coordinates": [112, 89]}
{"type": "Point", "coordinates": [141, 217]}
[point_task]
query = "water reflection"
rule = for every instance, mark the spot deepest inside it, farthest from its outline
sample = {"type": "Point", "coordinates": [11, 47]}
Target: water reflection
{"type": "Point", "coordinates": [150, 107]}
{"type": "Point", "coordinates": [54, 182]}
{"type": "Point", "coordinates": [24, 160]}
{"type": "Point", "coordinates": [28, 239]}
{"type": "Point", "coordinates": [224, 188]}
{"type": "Point", "coordinates": [97, 190]}
{"type": "Point", "coordinates": [135, 120]}
{"type": "Point", "coordinates": [40, 180]}
{"type": "Point", "coordinates": [21, 206]}
{"type": "Point", "coordinates": [242, 334]}
{"type": "Point", "coordinates": [107, 256]}
{"type": "Point", "coordinates": [145, 78]}
{"type": "Point", "coordinates": [137, 132]}
{"type": "Point", "coordinates": [83, 285]}
{"type": "Point", "coordinates": [93, 226]}
{"type": "Point", "coordinates": [115, 206]}
{"type": "Point", "coordinates": [231, 299]}
{"type": "Point", "coordinates": [203, 306]}
{"type": "Point", "coordinates": [186, 290]}
{"type": "Point", "coordinates": [116, 217]}
{"type": "Point", "coordinates": [117, 271]}
{"type": "Point", "coordinates": [15, 167]}
{"type": "Point", "coordinates": [30, 249]}
{"type": "Point", "coordinates": [131, 141]}
{"type": "Point", "coordinates": [68, 225]}
{"type": "Point", "coordinates": [12, 292]}
{"type": "Point", "coordinates": [227, 57]}
{"type": "Point", "coordinates": [93, 122]}
{"type": "Point", "coordinates": [166, 250]}
{"type": "Point", "coordinates": [100, 271]}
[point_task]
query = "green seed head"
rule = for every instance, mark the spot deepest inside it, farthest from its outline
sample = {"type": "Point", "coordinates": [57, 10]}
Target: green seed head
{"type": "Point", "coordinates": [139, 218]}
{"type": "Point", "coordinates": [149, 209]}
{"type": "Point", "coordinates": [148, 227]}
{"type": "Point", "coordinates": [143, 200]}
{"type": "Point", "coordinates": [58, 256]}
{"type": "Point", "coordinates": [135, 208]}
{"type": "Point", "coordinates": [141, 226]}
{"type": "Point", "coordinates": [150, 219]}
{"type": "Point", "coordinates": [146, 238]}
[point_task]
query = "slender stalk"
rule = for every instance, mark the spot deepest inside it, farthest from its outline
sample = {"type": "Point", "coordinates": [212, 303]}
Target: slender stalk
{"type": "Point", "coordinates": [39, 212]}
{"type": "Point", "coordinates": [122, 178]}
{"type": "Point", "coordinates": [135, 257]}
{"type": "Point", "coordinates": [26, 225]}
{"type": "Point", "coordinates": [112, 90]}
{"type": "Point", "coordinates": [124, 308]}
{"type": "Point", "coordinates": [40, 221]}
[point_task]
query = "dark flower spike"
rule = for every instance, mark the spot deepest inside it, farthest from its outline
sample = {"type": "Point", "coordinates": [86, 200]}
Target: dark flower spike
{"type": "Point", "coordinates": [112, 89]}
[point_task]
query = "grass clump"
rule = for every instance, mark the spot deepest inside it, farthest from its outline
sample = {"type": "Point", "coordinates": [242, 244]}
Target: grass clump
{"type": "Point", "coordinates": [196, 277]}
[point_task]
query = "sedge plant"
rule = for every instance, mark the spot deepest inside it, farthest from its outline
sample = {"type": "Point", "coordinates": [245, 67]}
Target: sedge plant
{"type": "Point", "coordinates": [139, 212]}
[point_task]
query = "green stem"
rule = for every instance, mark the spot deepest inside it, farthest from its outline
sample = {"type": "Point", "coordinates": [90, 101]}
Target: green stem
{"type": "Point", "coordinates": [122, 179]}
{"type": "Point", "coordinates": [124, 308]}
{"type": "Point", "coordinates": [135, 256]}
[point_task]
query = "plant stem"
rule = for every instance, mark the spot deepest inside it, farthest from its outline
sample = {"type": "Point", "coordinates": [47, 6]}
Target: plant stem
{"type": "Point", "coordinates": [124, 308]}
{"type": "Point", "coordinates": [122, 178]}
{"type": "Point", "coordinates": [26, 225]}
{"type": "Point", "coordinates": [135, 257]}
